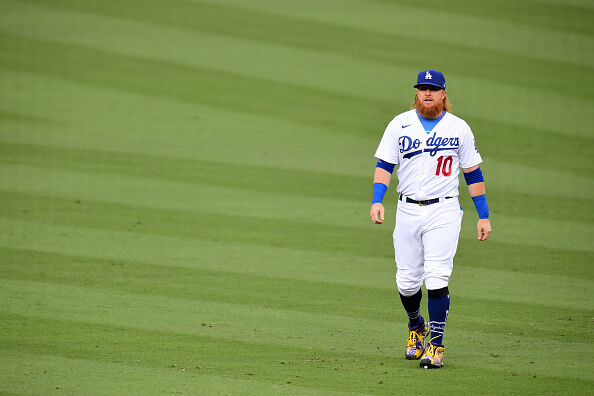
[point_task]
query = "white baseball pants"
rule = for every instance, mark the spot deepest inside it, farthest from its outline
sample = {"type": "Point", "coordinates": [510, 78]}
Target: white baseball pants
{"type": "Point", "coordinates": [425, 242]}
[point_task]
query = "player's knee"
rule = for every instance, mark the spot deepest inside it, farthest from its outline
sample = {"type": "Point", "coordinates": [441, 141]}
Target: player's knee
{"type": "Point", "coordinates": [408, 291]}
{"type": "Point", "coordinates": [409, 280]}
{"type": "Point", "coordinates": [437, 274]}
{"type": "Point", "coordinates": [408, 287]}
{"type": "Point", "coordinates": [436, 282]}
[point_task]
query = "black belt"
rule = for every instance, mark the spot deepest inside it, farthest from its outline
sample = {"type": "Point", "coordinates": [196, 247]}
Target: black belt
{"type": "Point", "coordinates": [422, 203]}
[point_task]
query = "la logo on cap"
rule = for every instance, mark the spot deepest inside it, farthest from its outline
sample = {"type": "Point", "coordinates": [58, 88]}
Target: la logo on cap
{"type": "Point", "coordinates": [430, 77]}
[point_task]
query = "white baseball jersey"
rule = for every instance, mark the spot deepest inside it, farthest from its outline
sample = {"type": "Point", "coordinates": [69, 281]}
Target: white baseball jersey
{"type": "Point", "coordinates": [428, 161]}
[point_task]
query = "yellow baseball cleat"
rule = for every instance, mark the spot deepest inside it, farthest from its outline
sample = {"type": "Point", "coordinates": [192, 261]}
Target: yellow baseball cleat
{"type": "Point", "coordinates": [433, 357]}
{"type": "Point", "coordinates": [416, 342]}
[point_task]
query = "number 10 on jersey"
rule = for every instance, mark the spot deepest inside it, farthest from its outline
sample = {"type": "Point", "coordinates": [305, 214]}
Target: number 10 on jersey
{"type": "Point", "coordinates": [444, 166]}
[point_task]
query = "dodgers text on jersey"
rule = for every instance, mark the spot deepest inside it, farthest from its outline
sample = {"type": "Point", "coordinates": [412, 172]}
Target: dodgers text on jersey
{"type": "Point", "coordinates": [433, 143]}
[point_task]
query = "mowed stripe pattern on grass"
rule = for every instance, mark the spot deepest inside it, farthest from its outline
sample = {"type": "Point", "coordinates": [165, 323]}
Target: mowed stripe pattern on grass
{"type": "Point", "coordinates": [185, 188]}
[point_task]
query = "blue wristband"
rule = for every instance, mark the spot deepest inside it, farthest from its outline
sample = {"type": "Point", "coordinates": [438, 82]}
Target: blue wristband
{"type": "Point", "coordinates": [379, 190]}
{"type": "Point", "coordinates": [387, 166]}
{"type": "Point", "coordinates": [480, 202]}
{"type": "Point", "coordinates": [476, 176]}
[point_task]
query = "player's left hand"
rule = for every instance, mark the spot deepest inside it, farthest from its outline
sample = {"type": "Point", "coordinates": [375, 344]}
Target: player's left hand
{"type": "Point", "coordinates": [484, 229]}
{"type": "Point", "coordinates": [377, 213]}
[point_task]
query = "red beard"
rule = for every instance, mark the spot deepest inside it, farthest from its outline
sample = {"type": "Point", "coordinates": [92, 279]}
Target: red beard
{"type": "Point", "coordinates": [432, 111]}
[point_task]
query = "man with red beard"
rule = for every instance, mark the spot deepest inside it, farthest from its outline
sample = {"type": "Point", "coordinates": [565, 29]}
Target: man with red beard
{"type": "Point", "coordinates": [430, 145]}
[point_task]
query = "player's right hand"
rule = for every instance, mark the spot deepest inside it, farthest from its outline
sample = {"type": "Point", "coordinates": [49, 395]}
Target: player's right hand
{"type": "Point", "coordinates": [377, 213]}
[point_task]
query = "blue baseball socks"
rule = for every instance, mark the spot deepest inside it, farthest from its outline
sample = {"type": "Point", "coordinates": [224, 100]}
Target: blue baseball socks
{"type": "Point", "coordinates": [439, 305]}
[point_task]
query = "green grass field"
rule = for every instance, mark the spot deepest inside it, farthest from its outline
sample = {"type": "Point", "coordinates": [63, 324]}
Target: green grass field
{"type": "Point", "coordinates": [185, 191]}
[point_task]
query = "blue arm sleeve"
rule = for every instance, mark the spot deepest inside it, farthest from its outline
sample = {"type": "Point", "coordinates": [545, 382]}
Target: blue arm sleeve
{"type": "Point", "coordinates": [480, 202]}
{"type": "Point", "coordinates": [476, 176]}
{"type": "Point", "coordinates": [385, 165]}
{"type": "Point", "coordinates": [379, 190]}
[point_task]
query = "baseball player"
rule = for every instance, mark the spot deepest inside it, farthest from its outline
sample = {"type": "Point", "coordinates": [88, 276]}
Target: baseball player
{"type": "Point", "coordinates": [429, 145]}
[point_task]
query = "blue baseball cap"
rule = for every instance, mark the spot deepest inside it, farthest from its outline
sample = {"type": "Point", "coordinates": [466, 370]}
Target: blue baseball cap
{"type": "Point", "coordinates": [431, 77]}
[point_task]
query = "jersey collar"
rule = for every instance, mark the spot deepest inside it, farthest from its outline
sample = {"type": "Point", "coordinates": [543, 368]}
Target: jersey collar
{"type": "Point", "coordinates": [429, 123]}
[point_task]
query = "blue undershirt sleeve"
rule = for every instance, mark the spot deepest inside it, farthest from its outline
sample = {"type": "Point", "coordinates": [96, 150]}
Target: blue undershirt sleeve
{"type": "Point", "coordinates": [476, 176]}
{"type": "Point", "coordinates": [385, 166]}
